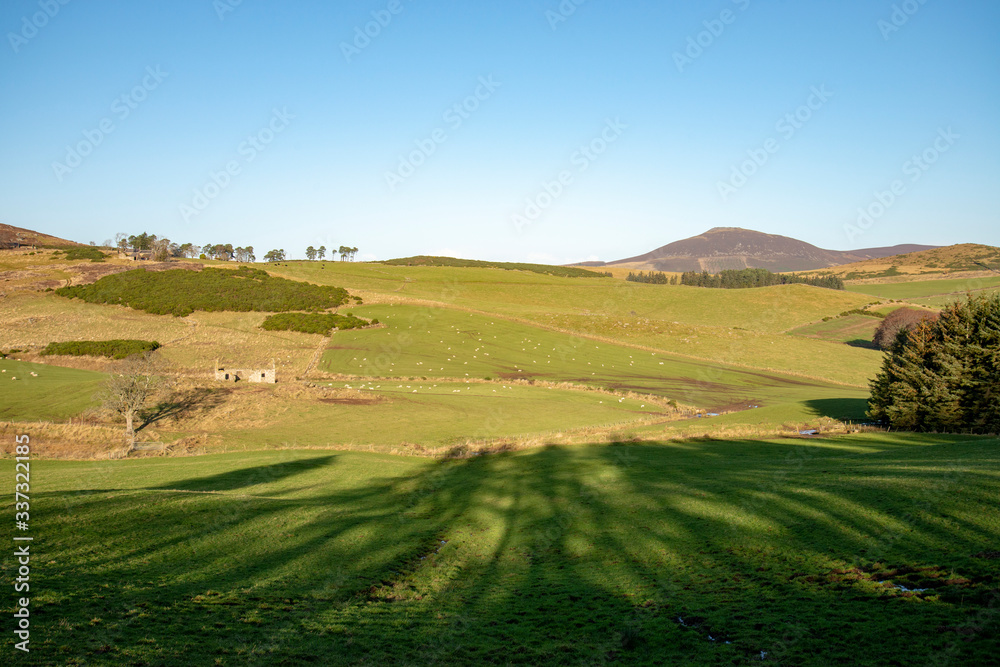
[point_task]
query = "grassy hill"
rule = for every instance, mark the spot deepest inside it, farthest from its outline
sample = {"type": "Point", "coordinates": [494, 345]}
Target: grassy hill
{"type": "Point", "coordinates": [949, 259]}
{"type": "Point", "coordinates": [11, 236]}
{"type": "Point", "coordinates": [930, 293]}
{"type": "Point", "coordinates": [35, 392]}
{"type": "Point", "coordinates": [427, 260]}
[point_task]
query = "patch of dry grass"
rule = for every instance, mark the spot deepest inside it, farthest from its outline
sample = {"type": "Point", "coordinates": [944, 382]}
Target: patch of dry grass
{"type": "Point", "coordinates": [192, 344]}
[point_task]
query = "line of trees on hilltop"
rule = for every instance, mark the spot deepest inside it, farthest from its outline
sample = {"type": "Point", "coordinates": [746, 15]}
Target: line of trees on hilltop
{"type": "Point", "coordinates": [347, 253]}
{"type": "Point", "coordinates": [745, 278]}
{"type": "Point", "coordinates": [161, 249]}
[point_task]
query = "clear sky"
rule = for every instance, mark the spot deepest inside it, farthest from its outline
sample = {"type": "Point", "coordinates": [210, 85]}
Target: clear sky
{"type": "Point", "coordinates": [524, 130]}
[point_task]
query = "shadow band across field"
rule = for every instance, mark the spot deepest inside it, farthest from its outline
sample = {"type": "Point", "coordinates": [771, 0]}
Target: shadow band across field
{"type": "Point", "coordinates": [698, 551]}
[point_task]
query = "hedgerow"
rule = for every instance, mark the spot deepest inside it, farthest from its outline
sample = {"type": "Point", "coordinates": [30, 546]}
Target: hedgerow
{"type": "Point", "coordinates": [180, 292]}
{"type": "Point", "coordinates": [561, 271]}
{"type": "Point", "coordinates": [314, 323]}
{"type": "Point", "coordinates": [115, 349]}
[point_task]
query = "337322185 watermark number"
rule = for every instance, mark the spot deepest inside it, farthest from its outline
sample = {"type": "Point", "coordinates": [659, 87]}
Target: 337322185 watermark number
{"type": "Point", "coordinates": [22, 546]}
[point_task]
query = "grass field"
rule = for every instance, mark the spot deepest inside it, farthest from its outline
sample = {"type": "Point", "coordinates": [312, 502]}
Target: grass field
{"type": "Point", "coordinates": [33, 320]}
{"type": "Point", "coordinates": [861, 550]}
{"type": "Point", "coordinates": [922, 289]}
{"type": "Point", "coordinates": [535, 296]}
{"type": "Point", "coordinates": [440, 343]}
{"type": "Point", "coordinates": [409, 415]}
{"type": "Point", "coordinates": [43, 392]}
{"type": "Point", "coordinates": [741, 327]}
{"type": "Point", "coordinates": [854, 329]}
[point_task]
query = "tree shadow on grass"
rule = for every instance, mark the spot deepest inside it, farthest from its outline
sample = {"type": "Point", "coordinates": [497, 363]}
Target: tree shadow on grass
{"type": "Point", "coordinates": [842, 409]}
{"type": "Point", "coordinates": [632, 553]}
{"type": "Point", "coordinates": [182, 404]}
{"type": "Point", "coordinates": [862, 343]}
{"type": "Point", "coordinates": [248, 477]}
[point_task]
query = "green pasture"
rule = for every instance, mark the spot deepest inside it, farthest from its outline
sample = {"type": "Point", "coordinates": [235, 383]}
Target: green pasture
{"type": "Point", "coordinates": [813, 358]}
{"type": "Point", "coordinates": [536, 296]}
{"type": "Point", "coordinates": [438, 414]}
{"type": "Point", "coordinates": [859, 550]}
{"type": "Point", "coordinates": [854, 329]}
{"type": "Point", "coordinates": [52, 393]}
{"type": "Point", "coordinates": [444, 343]}
{"type": "Point", "coordinates": [954, 288]}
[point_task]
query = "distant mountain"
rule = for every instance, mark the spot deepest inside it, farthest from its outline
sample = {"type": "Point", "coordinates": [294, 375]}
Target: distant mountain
{"type": "Point", "coordinates": [11, 236]}
{"type": "Point", "coordinates": [734, 248]}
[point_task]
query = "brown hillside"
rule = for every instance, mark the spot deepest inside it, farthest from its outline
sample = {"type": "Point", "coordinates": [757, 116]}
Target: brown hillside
{"type": "Point", "coordinates": [11, 236]}
{"type": "Point", "coordinates": [949, 259]}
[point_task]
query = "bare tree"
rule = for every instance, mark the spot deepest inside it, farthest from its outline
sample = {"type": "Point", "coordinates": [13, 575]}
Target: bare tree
{"type": "Point", "coordinates": [161, 249]}
{"type": "Point", "coordinates": [130, 385]}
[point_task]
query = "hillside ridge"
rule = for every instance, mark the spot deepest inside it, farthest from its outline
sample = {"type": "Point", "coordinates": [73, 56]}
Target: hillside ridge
{"type": "Point", "coordinates": [11, 236]}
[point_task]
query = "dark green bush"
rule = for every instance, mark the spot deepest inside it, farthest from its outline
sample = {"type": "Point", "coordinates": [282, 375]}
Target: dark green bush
{"type": "Point", "coordinates": [115, 349]}
{"type": "Point", "coordinates": [180, 292]}
{"type": "Point", "coordinates": [859, 311]}
{"type": "Point", "coordinates": [314, 323]}
{"type": "Point", "coordinates": [563, 271]}
{"type": "Point", "coordinates": [85, 252]}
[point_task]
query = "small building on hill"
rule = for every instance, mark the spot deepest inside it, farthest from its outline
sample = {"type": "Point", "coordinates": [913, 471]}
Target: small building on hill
{"type": "Point", "coordinates": [259, 375]}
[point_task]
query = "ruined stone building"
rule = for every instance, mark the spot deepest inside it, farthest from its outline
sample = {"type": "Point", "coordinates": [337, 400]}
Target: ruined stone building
{"type": "Point", "coordinates": [265, 375]}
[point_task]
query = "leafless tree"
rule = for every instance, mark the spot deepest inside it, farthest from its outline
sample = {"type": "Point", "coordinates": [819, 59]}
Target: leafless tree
{"type": "Point", "coordinates": [161, 249]}
{"type": "Point", "coordinates": [131, 383]}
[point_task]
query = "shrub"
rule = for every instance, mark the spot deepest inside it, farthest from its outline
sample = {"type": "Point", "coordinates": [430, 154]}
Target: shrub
{"type": "Point", "coordinates": [860, 311]}
{"type": "Point", "coordinates": [944, 375]}
{"type": "Point", "coordinates": [180, 292]}
{"type": "Point", "coordinates": [86, 252]}
{"type": "Point", "coordinates": [902, 319]}
{"type": "Point", "coordinates": [315, 323]}
{"type": "Point", "coordinates": [115, 349]}
{"type": "Point", "coordinates": [563, 271]}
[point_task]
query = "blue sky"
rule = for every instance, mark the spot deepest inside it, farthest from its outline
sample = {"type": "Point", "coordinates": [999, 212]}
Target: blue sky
{"type": "Point", "coordinates": [529, 130]}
